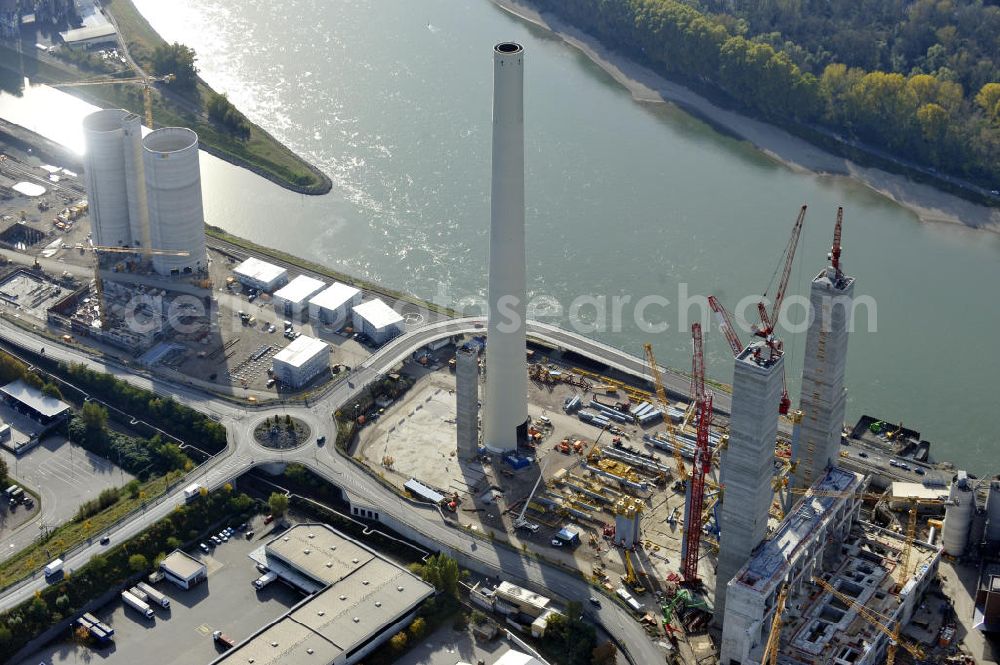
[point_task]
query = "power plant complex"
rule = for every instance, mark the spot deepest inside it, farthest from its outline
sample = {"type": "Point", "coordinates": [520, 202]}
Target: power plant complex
{"type": "Point", "coordinates": [735, 526]}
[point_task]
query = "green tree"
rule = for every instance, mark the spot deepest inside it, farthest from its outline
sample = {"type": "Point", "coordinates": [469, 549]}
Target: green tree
{"type": "Point", "coordinates": [94, 416]}
{"type": "Point", "coordinates": [62, 603]}
{"type": "Point", "coordinates": [222, 111]}
{"type": "Point", "coordinates": [278, 503]}
{"type": "Point", "coordinates": [137, 563]}
{"type": "Point", "coordinates": [52, 390]}
{"type": "Point", "coordinates": [132, 488]}
{"type": "Point", "coordinates": [442, 571]}
{"type": "Point", "coordinates": [38, 609]}
{"type": "Point", "coordinates": [178, 60]}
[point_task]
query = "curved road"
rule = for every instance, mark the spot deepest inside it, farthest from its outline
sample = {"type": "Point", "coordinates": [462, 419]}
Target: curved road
{"type": "Point", "coordinates": [243, 454]}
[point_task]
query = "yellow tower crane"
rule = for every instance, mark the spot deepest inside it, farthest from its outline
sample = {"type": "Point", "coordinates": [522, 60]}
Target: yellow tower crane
{"type": "Point", "coordinates": [903, 570]}
{"type": "Point", "coordinates": [661, 395]}
{"type": "Point", "coordinates": [774, 638]}
{"type": "Point", "coordinates": [145, 81]}
{"type": "Point", "coordinates": [876, 619]}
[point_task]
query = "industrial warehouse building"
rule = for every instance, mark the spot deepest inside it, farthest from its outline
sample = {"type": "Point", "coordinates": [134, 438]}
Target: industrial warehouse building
{"type": "Point", "coordinates": [301, 361]}
{"type": "Point", "coordinates": [333, 304]}
{"type": "Point", "coordinates": [377, 321]}
{"type": "Point", "coordinates": [292, 300]}
{"type": "Point", "coordinates": [34, 402]}
{"type": "Point", "coordinates": [183, 569]}
{"type": "Point", "coordinates": [357, 601]}
{"type": "Point", "coordinates": [261, 275]}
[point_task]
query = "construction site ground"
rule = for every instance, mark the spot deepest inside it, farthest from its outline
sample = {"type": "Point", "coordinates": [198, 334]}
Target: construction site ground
{"type": "Point", "coordinates": [416, 438]}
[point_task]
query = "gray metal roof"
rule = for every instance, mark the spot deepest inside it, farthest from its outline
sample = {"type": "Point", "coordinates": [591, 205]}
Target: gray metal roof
{"type": "Point", "coordinates": [182, 565]}
{"type": "Point", "coordinates": [365, 594]}
{"type": "Point", "coordinates": [34, 398]}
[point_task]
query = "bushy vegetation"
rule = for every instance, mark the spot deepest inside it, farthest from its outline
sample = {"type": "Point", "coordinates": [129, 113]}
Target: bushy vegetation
{"type": "Point", "coordinates": [569, 640]}
{"type": "Point", "coordinates": [114, 568]}
{"type": "Point", "coordinates": [222, 111]}
{"type": "Point", "coordinates": [164, 412]}
{"type": "Point", "coordinates": [178, 60]}
{"type": "Point", "coordinates": [917, 79]}
{"type": "Point", "coordinates": [140, 457]}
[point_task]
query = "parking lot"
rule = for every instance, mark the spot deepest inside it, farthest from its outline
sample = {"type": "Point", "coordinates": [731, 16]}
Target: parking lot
{"type": "Point", "coordinates": [182, 635]}
{"type": "Point", "coordinates": [63, 474]}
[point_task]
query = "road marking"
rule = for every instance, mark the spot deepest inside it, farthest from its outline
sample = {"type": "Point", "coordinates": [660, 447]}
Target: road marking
{"type": "Point", "coordinates": [204, 629]}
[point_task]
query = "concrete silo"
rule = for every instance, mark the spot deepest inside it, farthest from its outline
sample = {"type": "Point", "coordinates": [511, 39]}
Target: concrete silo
{"type": "Point", "coordinates": [107, 175]}
{"type": "Point", "coordinates": [958, 516]}
{"type": "Point", "coordinates": [173, 191]}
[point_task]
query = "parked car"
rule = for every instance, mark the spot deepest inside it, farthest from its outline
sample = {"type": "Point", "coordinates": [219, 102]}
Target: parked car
{"type": "Point", "coordinates": [105, 540]}
{"type": "Point", "coordinates": [268, 519]}
{"type": "Point", "coordinates": [919, 471]}
{"type": "Point", "coordinates": [556, 542]}
{"type": "Point", "coordinates": [204, 548]}
{"type": "Point", "coordinates": [863, 454]}
{"type": "Point", "coordinates": [595, 602]}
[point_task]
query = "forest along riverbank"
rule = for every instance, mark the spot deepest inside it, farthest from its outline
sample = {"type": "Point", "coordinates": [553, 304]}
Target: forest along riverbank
{"type": "Point", "coordinates": [931, 205]}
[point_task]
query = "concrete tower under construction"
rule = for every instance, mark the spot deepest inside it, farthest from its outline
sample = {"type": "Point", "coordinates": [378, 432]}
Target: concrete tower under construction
{"type": "Point", "coordinates": [506, 404]}
{"type": "Point", "coordinates": [467, 401]}
{"type": "Point", "coordinates": [824, 397]}
{"type": "Point", "coordinates": [748, 461]}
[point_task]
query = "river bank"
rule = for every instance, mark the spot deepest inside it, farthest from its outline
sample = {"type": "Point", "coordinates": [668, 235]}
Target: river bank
{"type": "Point", "coordinates": [929, 204]}
{"type": "Point", "coordinates": [260, 153]}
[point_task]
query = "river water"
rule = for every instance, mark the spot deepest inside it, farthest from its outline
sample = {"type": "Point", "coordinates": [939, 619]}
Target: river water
{"type": "Point", "coordinates": [624, 199]}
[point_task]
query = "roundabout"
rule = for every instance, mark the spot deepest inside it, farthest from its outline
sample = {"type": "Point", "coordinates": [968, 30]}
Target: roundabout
{"type": "Point", "coordinates": [281, 432]}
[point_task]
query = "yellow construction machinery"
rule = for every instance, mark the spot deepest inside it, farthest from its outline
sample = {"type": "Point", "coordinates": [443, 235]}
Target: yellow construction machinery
{"type": "Point", "coordinates": [876, 619]}
{"type": "Point", "coordinates": [661, 395]}
{"type": "Point", "coordinates": [631, 579]}
{"type": "Point", "coordinates": [774, 638]}
{"type": "Point", "coordinates": [903, 571]}
{"type": "Point", "coordinates": [145, 81]}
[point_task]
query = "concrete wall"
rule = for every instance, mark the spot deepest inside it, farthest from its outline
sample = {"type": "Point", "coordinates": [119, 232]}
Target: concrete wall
{"type": "Point", "coordinates": [467, 402]}
{"type": "Point", "coordinates": [824, 397]}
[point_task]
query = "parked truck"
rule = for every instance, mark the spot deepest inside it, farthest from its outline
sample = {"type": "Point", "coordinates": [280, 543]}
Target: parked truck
{"type": "Point", "coordinates": [264, 580]}
{"type": "Point", "coordinates": [192, 491]}
{"type": "Point", "coordinates": [152, 595]}
{"type": "Point", "coordinates": [54, 568]}
{"type": "Point", "coordinates": [137, 604]}
{"type": "Point", "coordinates": [140, 594]}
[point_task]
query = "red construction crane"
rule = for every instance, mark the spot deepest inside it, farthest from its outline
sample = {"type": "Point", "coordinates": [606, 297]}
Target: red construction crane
{"type": "Point", "coordinates": [835, 250]}
{"type": "Point", "coordinates": [767, 321]}
{"type": "Point", "coordinates": [726, 326]}
{"type": "Point", "coordinates": [702, 459]}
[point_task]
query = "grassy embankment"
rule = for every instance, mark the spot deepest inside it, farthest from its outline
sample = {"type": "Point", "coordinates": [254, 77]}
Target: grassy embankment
{"type": "Point", "coordinates": [261, 152]}
{"type": "Point", "coordinates": [72, 533]}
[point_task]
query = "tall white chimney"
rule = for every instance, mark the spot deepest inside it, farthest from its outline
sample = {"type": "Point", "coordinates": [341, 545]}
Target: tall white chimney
{"type": "Point", "coordinates": [506, 404]}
